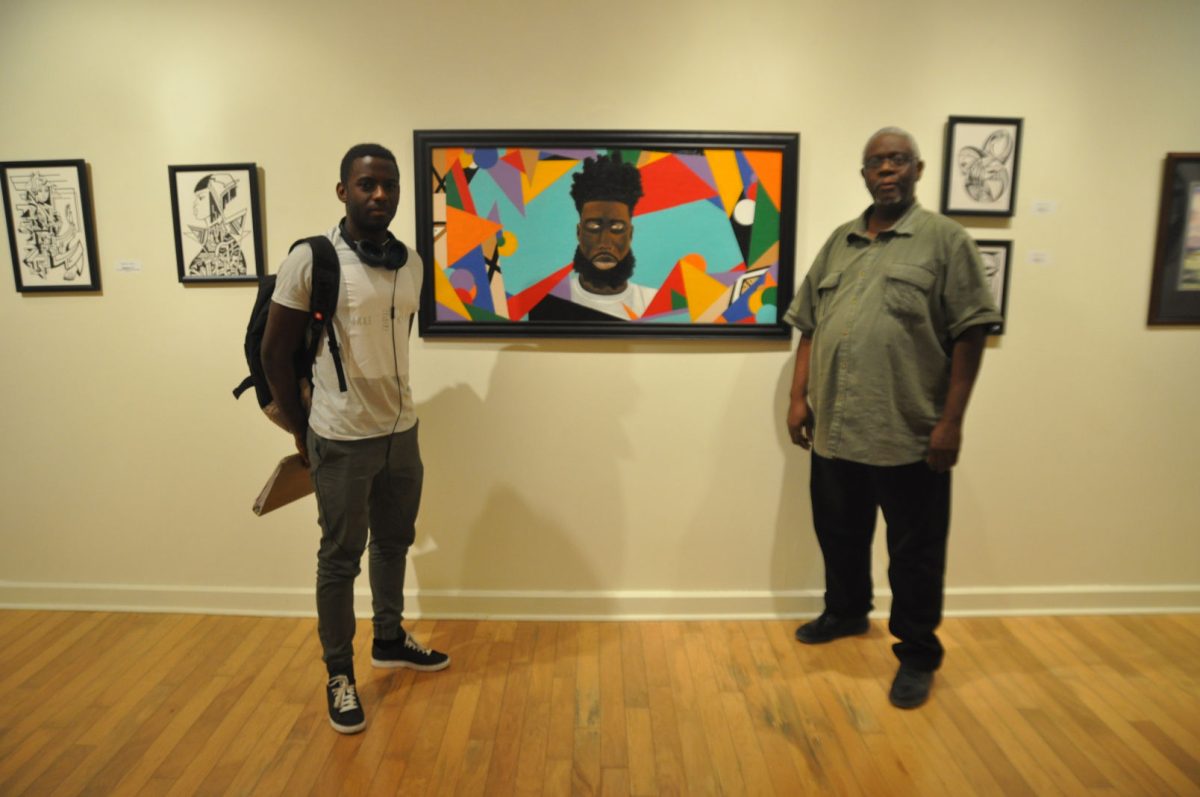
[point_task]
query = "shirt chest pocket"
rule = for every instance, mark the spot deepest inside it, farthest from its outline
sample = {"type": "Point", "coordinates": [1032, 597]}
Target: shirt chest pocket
{"type": "Point", "coordinates": [826, 291]}
{"type": "Point", "coordinates": [906, 291]}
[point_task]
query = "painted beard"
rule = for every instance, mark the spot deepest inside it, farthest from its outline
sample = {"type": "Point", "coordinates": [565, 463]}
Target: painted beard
{"type": "Point", "coordinates": [614, 277]}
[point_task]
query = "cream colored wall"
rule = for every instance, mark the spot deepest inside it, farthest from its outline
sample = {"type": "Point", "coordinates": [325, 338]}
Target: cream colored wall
{"type": "Point", "coordinates": [594, 477]}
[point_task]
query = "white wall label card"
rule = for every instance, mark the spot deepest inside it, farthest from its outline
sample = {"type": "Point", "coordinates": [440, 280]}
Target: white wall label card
{"type": "Point", "coordinates": [1039, 257]}
{"type": "Point", "coordinates": [1044, 207]}
{"type": "Point", "coordinates": [129, 266]}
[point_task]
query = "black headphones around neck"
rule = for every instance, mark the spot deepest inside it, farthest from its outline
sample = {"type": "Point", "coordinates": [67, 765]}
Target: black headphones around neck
{"type": "Point", "coordinates": [391, 254]}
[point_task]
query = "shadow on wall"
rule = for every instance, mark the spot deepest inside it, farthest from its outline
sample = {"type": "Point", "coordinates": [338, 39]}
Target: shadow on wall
{"type": "Point", "coordinates": [795, 557]}
{"type": "Point", "coordinates": [521, 493]}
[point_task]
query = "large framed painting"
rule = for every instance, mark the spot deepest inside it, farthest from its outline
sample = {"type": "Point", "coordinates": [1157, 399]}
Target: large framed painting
{"type": "Point", "coordinates": [979, 170]}
{"type": "Point", "coordinates": [215, 211]}
{"type": "Point", "coordinates": [579, 233]}
{"type": "Point", "coordinates": [48, 209]}
{"type": "Point", "coordinates": [996, 256]}
{"type": "Point", "coordinates": [1175, 286]}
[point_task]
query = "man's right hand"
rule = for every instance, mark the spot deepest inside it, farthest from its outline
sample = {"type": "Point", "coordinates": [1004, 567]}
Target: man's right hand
{"type": "Point", "coordinates": [301, 439]}
{"type": "Point", "coordinates": [800, 423]}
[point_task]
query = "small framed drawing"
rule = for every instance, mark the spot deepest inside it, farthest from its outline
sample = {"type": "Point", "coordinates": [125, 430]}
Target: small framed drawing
{"type": "Point", "coordinates": [49, 212]}
{"type": "Point", "coordinates": [215, 210]}
{"type": "Point", "coordinates": [996, 256]}
{"type": "Point", "coordinates": [552, 233]}
{"type": "Point", "coordinates": [979, 170]}
{"type": "Point", "coordinates": [1175, 286]}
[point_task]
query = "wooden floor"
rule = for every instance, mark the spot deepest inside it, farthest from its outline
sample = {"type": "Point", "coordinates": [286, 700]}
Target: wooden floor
{"type": "Point", "coordinates": [98, 703]}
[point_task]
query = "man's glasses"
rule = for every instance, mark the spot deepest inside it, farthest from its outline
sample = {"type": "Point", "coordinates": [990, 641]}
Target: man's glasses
{"type": "Point", "coordinates": [897, 159]}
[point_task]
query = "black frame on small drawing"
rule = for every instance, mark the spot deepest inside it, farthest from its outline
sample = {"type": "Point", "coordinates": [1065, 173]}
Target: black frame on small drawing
{"type": "Point", "coordinates": [227, 206]}
{"type": "Point", "coordinates": [1175, 285]}
{"type": "Point", "coordinates": [980, 166]}
{"type": "Point", "coordinates": [51, 236]}
{"type": "Point", "coordinates": [1000, 253]}
{"type": "Point", "coordinates": [497, 229]}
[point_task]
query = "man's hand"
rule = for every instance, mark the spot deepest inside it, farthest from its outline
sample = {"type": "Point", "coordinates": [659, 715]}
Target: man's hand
{"type": "Point", "coordinates": [944, 444]}
{"type": "Point", "coordinates": [301, 439]}
{"type": "Point", "coordinates": [800, 423]}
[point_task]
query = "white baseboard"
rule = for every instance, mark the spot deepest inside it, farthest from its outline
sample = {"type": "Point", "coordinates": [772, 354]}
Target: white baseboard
{"type": "Point", "coordinates": [591, 605]}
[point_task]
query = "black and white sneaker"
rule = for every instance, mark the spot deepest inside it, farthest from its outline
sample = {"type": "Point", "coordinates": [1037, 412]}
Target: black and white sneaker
{"type": "Point", "coordinates": [407, 652]}
{"type": "Point", "coordinates": [345, 713]}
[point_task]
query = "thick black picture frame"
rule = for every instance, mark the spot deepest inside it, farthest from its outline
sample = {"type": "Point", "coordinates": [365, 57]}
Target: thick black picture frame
{"type": "Point", "coordinates": [429, 182]}
{"type": "Point", "coordinates": [1005, 277]}
{"type": "Point", "coordinates": [84, 240]}
{"type": "Point", "coordinates": [1178, 209]}
{"type": "Point", "coordinates": [250, 170]}
{"type": "Point", "coordinates": [981, 167]}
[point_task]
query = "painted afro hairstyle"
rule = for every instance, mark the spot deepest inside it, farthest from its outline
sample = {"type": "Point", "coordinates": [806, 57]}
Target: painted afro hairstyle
{"type": "Point", "coordinates": [607, 179]}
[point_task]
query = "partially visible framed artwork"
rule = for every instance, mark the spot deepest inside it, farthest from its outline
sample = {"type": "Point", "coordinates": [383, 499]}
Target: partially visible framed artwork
{"type": "Point", "coordinates": [996, 257]}
{"type": "Point", "coordinates": [216, 213]}
{"type": "Point", "coordinates": [979, 170]}
{"type": "Point", "coordinates": [614, 233]}
{"type": "Point", "coordinates": [48, 209]}
{"type": "Point", "coordinates": [1175, 285]}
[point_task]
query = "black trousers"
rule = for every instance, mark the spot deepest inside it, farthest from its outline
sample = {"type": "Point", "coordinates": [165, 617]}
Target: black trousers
{"type": "Point", "coordinates": [915, 500]}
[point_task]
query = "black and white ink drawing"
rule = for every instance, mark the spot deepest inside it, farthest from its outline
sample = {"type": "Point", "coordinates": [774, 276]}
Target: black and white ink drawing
{"type": "Point", "coordinates": [995, 256]}
{"type": "Point", "coordinates": [216, 231]}
{"type": "Point", "coordinates": [48, 213]}
{"type": "Point", "coordinates": [980, 168]}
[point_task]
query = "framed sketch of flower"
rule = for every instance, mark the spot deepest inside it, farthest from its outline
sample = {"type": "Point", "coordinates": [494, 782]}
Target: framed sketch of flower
{"type": "Point", "coordinates": [979, 171]}
{"type": "Point", "coordinates": [216, 215]}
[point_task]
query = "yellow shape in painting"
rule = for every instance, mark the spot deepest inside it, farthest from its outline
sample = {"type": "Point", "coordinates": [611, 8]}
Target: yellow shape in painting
{"type": "Point", "coordinates": [723, 163]}
{"type": "Point", "coordinates": [466, 158]}
{"type": "Point", "coordinates": [769, 168]}
{"type": "Point", "coordinates": [510, 243]}
{"type": "Point", "coordinates": [464, 232]}
{"type": "Point", "coordinates": [544, 176]}
{"type": "Point", "coordinates": [649, 156]}
{"type": "Point", "coordinates": [529, 160]}
{"type": "Point", "coordinates": [445, 295]}
{"type": "Point", "coordinates": [701, 290]}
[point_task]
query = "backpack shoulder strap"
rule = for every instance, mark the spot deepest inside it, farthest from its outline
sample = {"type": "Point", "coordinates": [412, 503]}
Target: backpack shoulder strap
{"type": "Point", "coordinates": [326, 281]}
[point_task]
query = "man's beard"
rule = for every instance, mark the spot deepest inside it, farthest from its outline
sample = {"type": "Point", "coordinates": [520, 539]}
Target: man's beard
{"type": "Point", "coordinates": [614, 277]}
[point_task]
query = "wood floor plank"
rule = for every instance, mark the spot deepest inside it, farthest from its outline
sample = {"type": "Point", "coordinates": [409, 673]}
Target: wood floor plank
{"type": "Point", "coordinates": [192, 705]}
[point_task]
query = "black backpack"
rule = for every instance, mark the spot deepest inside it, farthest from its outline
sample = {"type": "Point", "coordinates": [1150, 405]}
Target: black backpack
{"type": "Point", "coordinates": [326, 276]}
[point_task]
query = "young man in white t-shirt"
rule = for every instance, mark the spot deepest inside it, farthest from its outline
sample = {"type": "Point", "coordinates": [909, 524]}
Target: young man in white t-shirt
{"type": "Point", "coordinates": [361, 441]}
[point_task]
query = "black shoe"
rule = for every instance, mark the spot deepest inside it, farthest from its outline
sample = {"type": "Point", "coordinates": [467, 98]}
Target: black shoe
{"type": "Point", "coordinates": [407, 652]}
{"type": "Point", "coordinates": [911, 687]}
{"type": "Point", "coordinates": [827, 628]}
{"type": "Point", "coordinates": [345, 713]}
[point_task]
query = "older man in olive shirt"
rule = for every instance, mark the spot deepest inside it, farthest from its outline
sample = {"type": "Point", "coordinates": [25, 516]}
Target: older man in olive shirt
{"type": "Point", "coordinates": [892, 318]}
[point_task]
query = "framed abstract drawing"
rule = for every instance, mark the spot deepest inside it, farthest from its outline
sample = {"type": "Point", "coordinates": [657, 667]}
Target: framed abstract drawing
{"type": "Point", "coordinates": [979, 169]}
{"type": "Point", "coordinates": [610, 233]}
{"type": "Point", "coordinates": [48, 209]}
{"type": "Point", "coordinates": [1175, 284]}
{"type": "Point", "coordinates": [215, 212]}
{"type": "Point", "coordinates": [996, 257]}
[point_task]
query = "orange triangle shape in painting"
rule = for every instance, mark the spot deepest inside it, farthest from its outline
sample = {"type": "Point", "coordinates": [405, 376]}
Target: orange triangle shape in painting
{"type": "Point", "coordinates": [545, 174]}
{"type": "Point", "coordinates": [464, 232]}
{"type": "Point", "coordinates": [702, 290]}
{"type": "Point", "coordinates": [769, 168]}
{"type": "Point", "coordinates": [726, 173]}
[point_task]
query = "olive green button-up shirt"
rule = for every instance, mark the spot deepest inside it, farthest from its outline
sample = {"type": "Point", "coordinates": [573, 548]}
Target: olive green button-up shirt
{"type": "Point", "coordinates": [883, 315]}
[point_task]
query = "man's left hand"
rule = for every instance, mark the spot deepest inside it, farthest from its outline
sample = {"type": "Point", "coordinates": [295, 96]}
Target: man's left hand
{"type": "Point", "coordinates": [944, 443]}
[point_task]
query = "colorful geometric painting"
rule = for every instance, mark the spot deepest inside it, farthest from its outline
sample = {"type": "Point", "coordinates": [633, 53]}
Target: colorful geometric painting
{"type": "Point", "coordinates": [515, 230]}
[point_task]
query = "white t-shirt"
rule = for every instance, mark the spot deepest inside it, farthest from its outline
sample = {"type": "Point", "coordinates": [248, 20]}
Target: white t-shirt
{"type": "Point", "coordinates": [371, 323]}
{"type": "Point", "coordinates": [634, 299]}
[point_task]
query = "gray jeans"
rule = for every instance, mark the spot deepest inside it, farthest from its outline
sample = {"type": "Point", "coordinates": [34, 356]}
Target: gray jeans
{"type": "Point", "coordinates": [363, 484]}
